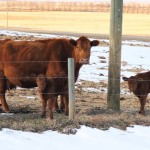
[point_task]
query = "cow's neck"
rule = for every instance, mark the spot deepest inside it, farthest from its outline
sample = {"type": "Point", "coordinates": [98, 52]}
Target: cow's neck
{"type": "Point", "coordinates": [77, 69]}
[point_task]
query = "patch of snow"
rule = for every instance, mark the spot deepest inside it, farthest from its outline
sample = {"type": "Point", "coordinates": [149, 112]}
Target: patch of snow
{"type": "Point", "coordinates": [136, 137]}
{"type": "Point", "coordinates": [6, 114]}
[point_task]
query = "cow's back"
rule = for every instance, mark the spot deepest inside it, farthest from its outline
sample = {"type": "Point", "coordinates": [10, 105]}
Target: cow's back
{"type": "Point", "coordinates": [2, 43]}
{"type": "Point", "coordinates": [28, 57]}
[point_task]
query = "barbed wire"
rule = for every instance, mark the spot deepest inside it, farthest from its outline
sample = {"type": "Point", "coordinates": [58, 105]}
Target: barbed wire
{"type": "Point", "coordinates": [62, 93]}
{"type": "Point", "coordinates": [91, 62]}
{"type": "Point", "coordinates": [80, 79]}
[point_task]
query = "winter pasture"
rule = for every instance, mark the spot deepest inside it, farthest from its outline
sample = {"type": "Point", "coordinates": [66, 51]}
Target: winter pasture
{"type": "Point", "coordinates": [97, 127]}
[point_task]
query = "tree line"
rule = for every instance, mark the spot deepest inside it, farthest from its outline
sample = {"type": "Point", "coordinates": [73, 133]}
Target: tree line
{"type": "Point", "coordinates": [34, 6]}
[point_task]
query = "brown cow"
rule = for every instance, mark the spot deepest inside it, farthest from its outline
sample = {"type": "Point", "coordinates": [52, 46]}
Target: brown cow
{"type": "Point", "coordinates": [9, 85]}
{"type": "Point", "coordinates": [140, 86]}
{"type": "Point", "coordinates": [49, 88]}
{"type": "Point", "coordinates": [23, 58]}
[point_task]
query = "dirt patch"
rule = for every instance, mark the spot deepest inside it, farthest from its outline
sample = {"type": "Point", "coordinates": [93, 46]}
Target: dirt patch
{"type": "Point", "coordinates": [137, 70]}
{"type": "Point", "coordinates": [124, 63]}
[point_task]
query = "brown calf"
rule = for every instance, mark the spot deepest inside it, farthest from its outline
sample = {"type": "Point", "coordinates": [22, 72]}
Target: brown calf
{"type": "Point", "coordinates": [49, 88]}
{"type": "Point", "coordinates": [140, 86]}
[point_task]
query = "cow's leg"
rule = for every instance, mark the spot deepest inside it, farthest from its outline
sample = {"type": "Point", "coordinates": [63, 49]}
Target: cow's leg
{"type": "Point", "coordinates": [50, 106]}
{"type": "Point", "coordinates": [2, 92]}
{"type": "Point", "coordinates": [55, 105]}
{"type": "Point", "coordinates": [66, 102]}
{"type": "Point", "coordinates": [62, 105]}
{"type": "Point", "coordinates": [142, 102]}
{"type": "Point", "coordinates": [44, 104]}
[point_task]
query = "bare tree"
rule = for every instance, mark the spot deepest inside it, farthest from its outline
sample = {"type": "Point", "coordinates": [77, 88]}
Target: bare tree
{"type": "Point", "coordinates": [75, 5]}
{"type": "Point", "coordinates": [107, 5]}
{"type": "Point", "coordinates": [148, 11]}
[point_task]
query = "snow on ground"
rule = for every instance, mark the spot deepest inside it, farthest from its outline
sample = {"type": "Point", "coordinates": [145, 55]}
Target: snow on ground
{"type": "Point", "coordinates": [136, 137]}
{"type": "Point", "coordinates": [86, 138]}
{"type": "Point", "coordinates": [135, 56]}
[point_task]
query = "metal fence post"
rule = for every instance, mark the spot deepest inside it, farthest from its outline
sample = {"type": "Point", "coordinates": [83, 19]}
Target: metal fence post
{"type": "Point", "coordinates": [115, 39]}
{"type": "Point", "coordinates": [71, 88]}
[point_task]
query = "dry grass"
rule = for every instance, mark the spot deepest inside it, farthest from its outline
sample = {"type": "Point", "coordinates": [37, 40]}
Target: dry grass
{"type": "Point", "coordinates": [82, 22]}
{"type": "Point", "coordinates": [91, 110]}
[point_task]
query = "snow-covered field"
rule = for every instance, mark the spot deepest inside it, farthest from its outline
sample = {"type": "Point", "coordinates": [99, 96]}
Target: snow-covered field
{"type": "Point", "coordinates": [136, 137]}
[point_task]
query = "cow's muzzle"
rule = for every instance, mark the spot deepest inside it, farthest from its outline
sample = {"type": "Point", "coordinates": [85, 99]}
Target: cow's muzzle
{"type": "Point", "coordinates": [84, 61]}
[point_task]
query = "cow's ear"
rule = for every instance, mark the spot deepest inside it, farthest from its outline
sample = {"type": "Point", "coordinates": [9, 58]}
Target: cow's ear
{"type": "Point", "coordinates": [125, 78]}
{"type": "Point", "coordinates": [33, 76]}
{"type": "Point", "coordinates": [73, 42]}
{"type": "Point", "coordinates": [94, 43]}
{"type": "Point", "coordinates": [140, 79]}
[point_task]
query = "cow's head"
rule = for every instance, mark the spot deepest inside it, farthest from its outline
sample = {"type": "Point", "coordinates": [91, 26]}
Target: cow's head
{"type": "Point", "coordinates": [132, 82]}
{"type": "Point", "coordinates": [41, 81]}
{"type": "Point", "coordinates": [83, 49]}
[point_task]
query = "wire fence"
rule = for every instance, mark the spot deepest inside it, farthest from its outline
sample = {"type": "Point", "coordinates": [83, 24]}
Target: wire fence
{"type": "Point", "coordinates": [33, 6]}
{"type": "Point", "coordinates": [95, 99]}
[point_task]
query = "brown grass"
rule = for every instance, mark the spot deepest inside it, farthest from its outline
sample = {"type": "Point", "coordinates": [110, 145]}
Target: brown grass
{"type": "Point", "coordinates": [91, 110]}
{"type": "Point", "coordinates": [82, 22]}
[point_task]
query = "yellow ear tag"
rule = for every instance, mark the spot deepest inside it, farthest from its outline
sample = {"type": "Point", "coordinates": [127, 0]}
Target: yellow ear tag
{"type": "Point", "coordinates": [47, 78]}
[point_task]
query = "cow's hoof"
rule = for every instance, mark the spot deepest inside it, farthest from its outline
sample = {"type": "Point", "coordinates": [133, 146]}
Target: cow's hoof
{"type": "Point", "coordinates": [142, 113]}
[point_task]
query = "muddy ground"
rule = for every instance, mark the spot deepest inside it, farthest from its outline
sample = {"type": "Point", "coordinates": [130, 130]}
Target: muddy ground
{"type": "Point", "coordinates": [91, 107]}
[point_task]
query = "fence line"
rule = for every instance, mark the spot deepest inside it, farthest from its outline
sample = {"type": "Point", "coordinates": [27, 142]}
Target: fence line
{"type": "Point", "coordinates": [67, 78]}
{"type": "Point", "coordinates": [91, 62]}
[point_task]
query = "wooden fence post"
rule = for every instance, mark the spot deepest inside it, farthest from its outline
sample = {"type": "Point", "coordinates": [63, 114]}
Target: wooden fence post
{"type": "Point", "coordinates": [115, 40]}
{"type": "Point", "coordinates": [71, 88]}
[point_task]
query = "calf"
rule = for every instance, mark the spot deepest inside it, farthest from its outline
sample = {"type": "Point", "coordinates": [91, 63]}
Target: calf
{"type": "Point", "coordinates": [51, 87]}
{"type": "Point", "coordinates": [140, 86]}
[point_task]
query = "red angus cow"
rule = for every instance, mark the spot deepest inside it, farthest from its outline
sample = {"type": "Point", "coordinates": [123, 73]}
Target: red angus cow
{"type": "Point", "coordinates": [140, 86]}
{"type": "Point", "coordinates": [27, 57]}
{"type": "Point", "coordinates": [8, 85]}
